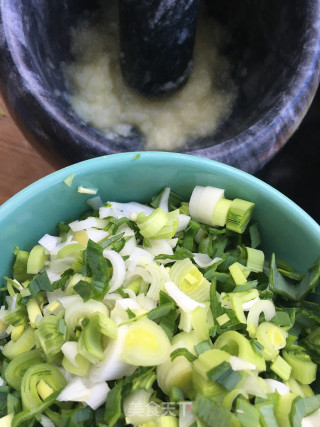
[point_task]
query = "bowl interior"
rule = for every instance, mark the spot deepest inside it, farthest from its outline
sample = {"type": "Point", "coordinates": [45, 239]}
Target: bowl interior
{"type": "Point", "coordinates": [285, 228]}
{"type": "Point", "coordinates": [266, 46]}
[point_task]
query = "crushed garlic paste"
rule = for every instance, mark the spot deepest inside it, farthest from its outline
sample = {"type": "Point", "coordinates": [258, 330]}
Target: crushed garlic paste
{"type": "Point", "coordinates": [101, 98]}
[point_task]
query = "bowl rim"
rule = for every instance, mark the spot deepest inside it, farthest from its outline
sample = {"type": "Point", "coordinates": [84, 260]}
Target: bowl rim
{"type": "Point", "coordinates": [118, 160]}
{"type": "Point", "coordinates": [273, 129]}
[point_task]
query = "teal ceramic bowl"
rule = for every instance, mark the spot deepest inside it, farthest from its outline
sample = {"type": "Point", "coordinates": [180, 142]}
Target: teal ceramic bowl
{"type": "Point", "coordinates": [286, 229]}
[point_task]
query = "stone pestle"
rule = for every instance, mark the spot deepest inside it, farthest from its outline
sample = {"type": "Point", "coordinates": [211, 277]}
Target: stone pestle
{"type": "Point", "coordinates": [156, 44]}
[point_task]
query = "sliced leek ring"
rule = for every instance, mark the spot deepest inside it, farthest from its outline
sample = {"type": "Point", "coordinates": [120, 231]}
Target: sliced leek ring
{"type": "Point", "coordinates": [146, 344]}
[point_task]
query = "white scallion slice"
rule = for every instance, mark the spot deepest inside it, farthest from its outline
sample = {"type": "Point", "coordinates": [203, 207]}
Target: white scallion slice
{"type": "Point", "coordinates": [81, 390]}
{"type": "Point", "coordinates": [96, 235]}
{"type": "Point", "coordinates": [160, 247]}
{"type": "Point", "coordinates": [204, 261]}
{"type": "Point", "coordinates": [203, 201]}
{"type": "Point", "coordinates": [183, 222]}
{"type": "Point", "coordinates": [130, 303]}
{"type": "Point", "coordinates": [46, 422]}
{"type": "Point", "coordinates": [85, 190]}
{"type": "Point", "coordinates": [83, 225]}
{"type": "Point", "coordinates": [140, 399]}
{"type": "Point", "coordinates": [183, 301]}
{"type": "Point", "coordinates": [95, 203]}
{"type": "Point", "coordinates": [118, 267]}
{"type": "Point", "coordinates": [312, 420]}
{"type": "Point", "coordinates": [277, 386]}
{"type": "Point", "coordinates": [139, 256]}
{"type": "Point", "coordinates": [146, 344]}
{"type": "Point", "coordinates": [158, 276]}
{"type": "Point", "coordinates": [262, 306]}
{"type": "Point", "coordinates": [163, 203]}
{"type": "Point", "coordinates": [238, 364]}
{"type": "Point", "coordinates": [49, 242]}
{"type": "Point", "coordinates": [76, 310]}
{"type": "Point", "coordinates": [70, 351]}
{"type": "Point", "coordinates": [112, 367]}
{"type": "Point", "coordinates": [124, 209]}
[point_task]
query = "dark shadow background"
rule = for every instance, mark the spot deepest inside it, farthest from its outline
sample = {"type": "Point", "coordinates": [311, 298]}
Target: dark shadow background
{"type": "Point", "coordinates": [295, 170]}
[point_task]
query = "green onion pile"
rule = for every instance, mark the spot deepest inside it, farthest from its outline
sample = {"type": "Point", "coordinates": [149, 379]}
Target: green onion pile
{"type": "Point", "coordinates": [159, 315]}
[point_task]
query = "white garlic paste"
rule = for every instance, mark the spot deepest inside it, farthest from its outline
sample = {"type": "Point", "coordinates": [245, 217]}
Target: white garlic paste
{"type": "Point", "coordinates": [102, 99]}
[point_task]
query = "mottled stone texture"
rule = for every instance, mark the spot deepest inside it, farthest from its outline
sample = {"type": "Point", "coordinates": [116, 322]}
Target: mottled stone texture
{"type": "Point", "coordinates": [273, 49]}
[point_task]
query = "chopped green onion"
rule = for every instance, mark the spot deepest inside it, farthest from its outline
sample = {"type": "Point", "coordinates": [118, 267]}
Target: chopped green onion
{"type": "Point", "coordinates": [90, 341]}
{"type": "Point", "coordinates": [24, 343]}
{"type": "Point", "coordinates": [272, 337]}
{"type": "Point", "coordinates": [262, 306]}
{"type": "Point", "coordinates": [20, 265]}
{"type": "Point", "coordinates": [190, 280]}
{"type": "Point", "coordinates": [239, 215]}
{"type": "Point", "coordinates": [40, 283]}
{"type": "Point", "coordinates": [34, 312]}
{"type": "Point", "coordinates": [42, 371]}
{"type": "Point", "coordinates": [236, 271]}
{"type": "Point", "coordinates": [247, 414]}
{"type": "Point", "coordinates": [223, 319]}
{"type": "Point", "coordinates": [267, 414]}
{"type": "Point", "coordinates": [302, 407]}
{"type": "Point", "coordinates": [303, 369]}
{"type": "Point", "coordinates": [36, 259]}
{"type": "Point", "coordinates": [255, 260]}
{"type": "Point", "coordinates": [254, 235]}
{"type": "Point", "coordinates": [281, 368]}
{"type": "Point", "coordinates": [204, 408]}
{"type": "Point", "coordinates": [73, 250]}
{"type": "Point", "coordinates": [294, 292]}
{"type": "Point", "coordinates": [220, 212]}
{"type": "Point", "coordinates": [203, 346]}
{"type": "Point", "coordinates": [237, 345]}
{"type": "Point", "coordinates": [18, 366]}
{"type": "Point", "coordinates": [183, 352]}
{"type": "Point", "coordinates": [50, 339]}
{"type": "Point", "coordinates": [224, 375]}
